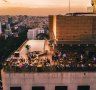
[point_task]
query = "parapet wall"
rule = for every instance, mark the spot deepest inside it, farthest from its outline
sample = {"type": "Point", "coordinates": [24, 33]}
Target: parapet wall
{"type": "Point", "coordinates": [49, 80]}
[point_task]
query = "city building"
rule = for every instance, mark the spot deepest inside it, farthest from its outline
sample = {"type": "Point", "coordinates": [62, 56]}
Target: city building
{"type": "Point", "coordinates": [93, 7]}
{"type": "Point", "coordinates": [49, 81]}
{"type": "Point", "coordinates": [8, 33]}
{"type": "Point", "coordinates": [32, 33]}
{"type": "Point", "coordinates": [0, 28]}
{"type": "Point", "coordinates": [10, 20]}
{"type": "Point", "coordinates": [40, 31]}
{"type": "Point", "coordinates": [33, 67]}
{"type": "Point", "coordinates": [73, 28]}
{"type": "Point", "coordinates": [93, 3]}
{"type": "Point", "coordinates": [66, 62]}
{"type": "Point", "coordinates": [8, 26]}
{"type": "Point", "coordinates": [18, 77]}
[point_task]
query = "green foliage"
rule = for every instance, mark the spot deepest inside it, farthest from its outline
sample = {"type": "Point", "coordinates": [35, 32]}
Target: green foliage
{"type": "Point", "coordinates": [11, 44]}
{"type": "Point", "coordinates": [42, 36]}
{"type": "Point", "coordinates": [27, 47]}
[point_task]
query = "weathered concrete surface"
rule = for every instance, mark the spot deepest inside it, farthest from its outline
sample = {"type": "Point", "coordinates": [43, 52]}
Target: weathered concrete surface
{"type": "Point", "coordinates": [49, 80]}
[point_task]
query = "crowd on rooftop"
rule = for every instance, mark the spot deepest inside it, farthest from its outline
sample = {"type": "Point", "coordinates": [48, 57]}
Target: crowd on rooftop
{"type": "Point", "coordinates": [30, 64]}
{"type": "Point", "coordinates": [62, 60]}
{"type": "Point", "coordinates": [78, 58]}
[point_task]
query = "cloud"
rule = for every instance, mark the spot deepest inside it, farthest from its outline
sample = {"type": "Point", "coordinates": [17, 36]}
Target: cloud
{"type": "Point", "coordinates": [5, 0]}
{"type": "Point", "coordinates": [38, 11]}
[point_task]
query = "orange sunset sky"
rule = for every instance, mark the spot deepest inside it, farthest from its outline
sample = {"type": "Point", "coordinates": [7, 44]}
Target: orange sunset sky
{"type": "Point", "coordinates": [42, 7]}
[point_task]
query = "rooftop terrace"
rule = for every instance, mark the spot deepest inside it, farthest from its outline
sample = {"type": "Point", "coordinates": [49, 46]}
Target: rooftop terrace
{"type": "Point", "coordinates": [47, 59]}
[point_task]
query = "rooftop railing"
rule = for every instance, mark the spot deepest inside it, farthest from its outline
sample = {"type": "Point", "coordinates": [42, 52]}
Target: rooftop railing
{"type": "Point", "coordinates": [50, 68]}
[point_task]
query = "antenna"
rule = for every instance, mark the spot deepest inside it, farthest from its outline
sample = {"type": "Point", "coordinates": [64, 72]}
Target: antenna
{"type": "Point", "coordinates": [69, 6]}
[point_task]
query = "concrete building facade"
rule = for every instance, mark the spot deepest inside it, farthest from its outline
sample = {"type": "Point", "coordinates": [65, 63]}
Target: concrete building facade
{"type": "Point", "coordinates": [32, 33]}
{"type": "Point", "coordinates": [49, 81]}
{"type": "Point", "coordinates": [93, 7]}
{"type": "Point", "coordinates": [93, 3]}
{"type": "Point", "coordinates": [72, 28]}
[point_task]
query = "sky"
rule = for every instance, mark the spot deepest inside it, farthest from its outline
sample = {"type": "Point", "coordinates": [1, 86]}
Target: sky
{"type": "Point", "coordinates": [42, 7]}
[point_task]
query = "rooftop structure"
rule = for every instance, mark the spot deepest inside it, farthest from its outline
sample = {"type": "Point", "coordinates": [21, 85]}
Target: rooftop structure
{"type": "Point", "coordinates": [82, 27]}
{"type": "Point", "coordinates": [35, 66]}
{"type": "Point", "coordinates": [81, 14]}
{"type": "Point", "coordinates": [66, 62]}
{"type": "Point", "coordinates": [32, 33]}
{"type": "Point", "coordinates": [93, 3]}
{"type": "Point", "coordinates": [93, 7]}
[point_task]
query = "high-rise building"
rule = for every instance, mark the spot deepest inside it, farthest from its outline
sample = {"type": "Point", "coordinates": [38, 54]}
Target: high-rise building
{"type": "Point", "coordinates": [93, 3]}
{"type": "Point", "coordinates": [93, 7]}
{"type": "Point", "coordinates": [19, 73]}
{"type": "Point", "coordinates": [8, 33]}
{"type": "Point", "coordinates": [0, 28]}
{"type": "Point", "coordinates": [32, 33]}
{"type": "Point", "coordinates": [72, 28]}
{"type": "Point", "coordinates": [8, 30]}
{"type": "Point", "coordinates": [10, 20]}
{"type": "Point", "coordinates": [8, 26]}
{"type": "Point", "coordinates": [30, 73]}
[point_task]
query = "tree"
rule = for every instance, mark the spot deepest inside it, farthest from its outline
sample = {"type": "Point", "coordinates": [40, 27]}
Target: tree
{"type": "Point", "coordinates": [27, 47]}
{"type": "Point", "coordinates": [42, 36]}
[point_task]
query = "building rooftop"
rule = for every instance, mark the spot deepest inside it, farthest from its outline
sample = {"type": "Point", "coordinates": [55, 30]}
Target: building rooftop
{"type": "Point", "coordinates": [81, 14]}
{"type": "Point", "coordinates": [42, 57]}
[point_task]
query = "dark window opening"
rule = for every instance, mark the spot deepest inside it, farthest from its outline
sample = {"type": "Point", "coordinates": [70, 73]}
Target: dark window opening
{"type": "Point", "coordinates": [61, 88]}
{"type": "Point", "coordinates": [83, 87]}
{"type": "Point", "coordinates": [38, 88]}
{"type": "Point", "coordinates": [15, 88]}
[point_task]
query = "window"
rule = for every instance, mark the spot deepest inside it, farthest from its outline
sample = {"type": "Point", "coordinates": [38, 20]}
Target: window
{"type": "Point", "coordinates": [83, 88]}
{"type": "Point", "coordinates": [61, 88]}
{"type": "Point", "coordinates": [38, 88]}
{"type": "Point", "coordinates": [15, 88]}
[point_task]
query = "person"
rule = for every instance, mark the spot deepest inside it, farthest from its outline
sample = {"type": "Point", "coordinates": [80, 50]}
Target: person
{"type": "Point", "coordinates": [48, 61]}
{"type": "Point", "coordinates": [94, 59]}
{"type": "Point", "coordinates": [54, 58]}
{"type": "Point", "coordinates": [59, 55]}
{"type": "Point", "coordinates": [37, 57]}
{"type": "Point", "coordinates": [81, 57]}
{"type": "Point", "coordinates": [64, 56]}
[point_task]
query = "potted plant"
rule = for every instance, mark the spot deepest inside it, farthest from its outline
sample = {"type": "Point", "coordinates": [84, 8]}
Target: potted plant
{"type": "Point", "coordinates": [27, 47]}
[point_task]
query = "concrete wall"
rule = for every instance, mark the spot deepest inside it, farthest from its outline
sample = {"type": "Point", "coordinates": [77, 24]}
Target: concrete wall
{"type": "Point", "coordinates": [51, 27]}
{"type": "Point", "coordinates": [73, 28]}
{"type": "Point", "coordinates": [49, 80]}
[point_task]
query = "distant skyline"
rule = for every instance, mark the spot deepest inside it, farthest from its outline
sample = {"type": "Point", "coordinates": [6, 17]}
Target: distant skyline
{"type": "Point", "coordinates": [40, 7]}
